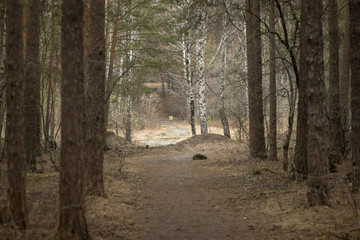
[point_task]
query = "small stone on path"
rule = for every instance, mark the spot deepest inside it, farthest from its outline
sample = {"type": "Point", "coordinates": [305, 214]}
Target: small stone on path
{"type": "Point", "coordinates": [199, 157]}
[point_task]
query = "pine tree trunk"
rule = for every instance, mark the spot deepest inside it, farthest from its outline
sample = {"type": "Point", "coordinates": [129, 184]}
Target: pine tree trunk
{"type": "Point", "coordinates": [2, 79]}
{"type": "Point", "coordinates": [96, 94]}
{"type": "Point", "coordinates": [200, 65]}
{"type": "Point", "coordinates": [354, 6]}
{"type": "Point", "coordinates": [87, 100]}
{"type": "Point", "coordinates": [15, 128]}
{"type": "Point", "coordinates": [317, 148]}
{"type": "Point", "coordinates": [223, 74]}
{"type": "Point", "coordinates": [32, 85]}
{"type": "Point", "coordinates": [50, 80]}
{"type": "Point", "coordinates": [335, 143]}
{"type": "Point", "coordinates": [254, 63]}
{"type": "Point", "coordinates": [273, 131]}
{"type": "Point", "coordinates": [72, 223]}
{"type": "Point", "coordinates": [301, 158]}
{"type": "Point", "coordinates": [344, 83]}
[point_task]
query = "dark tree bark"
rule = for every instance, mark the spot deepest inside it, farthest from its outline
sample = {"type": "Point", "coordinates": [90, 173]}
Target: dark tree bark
{"type": "Point", "coordinates": [2, 79]}
{"type": "Point", "coordinates": [273, 131]}
{"type": "Point", "coordinates": [32, 85]}
{"type": "Point", "coordinates": [336, 143]}
{"type": "Point", "coordinates": [50, 80]}
{"type": "Point", "coordinates": [301, 158]}
{"type": "Point", "coordinates": [86, 27]}
{"type": "Point", "coordinates": [96, 94]}
{"type": "Point", "coordinates": [72, 223]}
{"type": "Point", "coordinates": [317, 149]}
{"type": "Point", "coordinates": [354, 6]}
{"type": "Point", "coordinates": [254, 62]}
{"type": "Point", "coordinates": [15, 128]}
{"type": "Point", "coordinates": [345, 83]}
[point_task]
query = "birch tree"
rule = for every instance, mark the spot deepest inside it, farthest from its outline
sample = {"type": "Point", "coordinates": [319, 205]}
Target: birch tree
{"type": "Point", "coordinates": [200, 66]}
{"type": "Point", "coordinates": [186, 45]}
{"type": "Point", "coordinates": [223, 75]}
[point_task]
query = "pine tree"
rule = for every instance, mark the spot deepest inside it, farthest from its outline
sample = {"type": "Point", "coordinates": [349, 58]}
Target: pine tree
{"type": "Point", "coordinates": [15, 128]}
{"type": "Point", "coordinates": [96, 96]}
{"type": "Point", "coordinates": [317, 149]}
{"type": "Point", "coordinates": [72, 223]}
{"type": "Point", "coordinates": [254, 62]}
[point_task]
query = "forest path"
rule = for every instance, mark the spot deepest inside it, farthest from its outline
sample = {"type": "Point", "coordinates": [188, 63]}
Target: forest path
{"type": "Point", "coordinates": [177, 200]}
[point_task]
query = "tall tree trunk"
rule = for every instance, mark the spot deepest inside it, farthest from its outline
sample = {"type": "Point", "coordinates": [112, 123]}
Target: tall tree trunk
{"type": "Point", "coordinates": [292, 106]}
{"type": "Point", "coordinates": [223, 75]}
{"type": "Point", "coordinates": [344, 83]}
{"type": "Point", "coordinates": [200, 65]}
{"type": "Point", "coordinates": [96, 93]}
{"type": "Point", "coordinates": [128, 118]}
{"type": "Point", "coordinates": [336, 143]}
{"type": "Point", "coordinates": [188, 77]}
{"type": "Point", "coordinates": [32, 85]}
{"type": "Point", "coordinates": [301, 158]}
{"type": "Point", "coordinates": [354, 6]}
{"type": "Point", "coordinates": [2, 79]}
{"type": "Point", "coordinates": [317, 149]}
{"type": "Point", "coordinates": [107, 30]}
{"type": "Point", "coordinates": [87, 100]}
{"type": "Point", "coordinates": [254, 63]}
{"type": "Point", "coordinates": [87, 6]}
{"type": "Point", "coordinates": [15, 128]}
{"type": "Point", "coordinates": [128, 79]}
{"type": "Point", "coordinates": [72, 223]}
{"type": "Point", "coordinates": [50, 80]}
{"type": "Point", "coordinates": [273, 131]}
{"type": "Point", "coordinates": [110, 80]}
{"type": "Point", "coordinates": [23, 29]}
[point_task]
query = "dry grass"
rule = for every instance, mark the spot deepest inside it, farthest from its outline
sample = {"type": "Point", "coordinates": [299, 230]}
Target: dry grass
{"type": "Point", "coordinates": [264, 198]}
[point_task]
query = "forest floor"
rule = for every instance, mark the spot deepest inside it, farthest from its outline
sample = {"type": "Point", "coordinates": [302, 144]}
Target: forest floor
{"type": "Point", "coordinates": [162, 193]}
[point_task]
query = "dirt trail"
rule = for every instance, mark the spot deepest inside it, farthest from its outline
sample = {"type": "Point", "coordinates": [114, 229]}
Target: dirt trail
{"type": "Point", "coordinates": [176, 203]}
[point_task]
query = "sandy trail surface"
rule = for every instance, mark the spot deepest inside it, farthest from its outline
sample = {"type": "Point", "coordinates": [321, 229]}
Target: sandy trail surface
{"type": "Point", "coordinates": [177, 204]}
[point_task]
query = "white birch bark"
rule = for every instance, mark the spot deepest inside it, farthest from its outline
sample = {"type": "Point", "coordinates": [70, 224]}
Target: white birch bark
{"type": "Point", "coordinates": [200, 52]}
{"type": "Point", "coordinates": [222, 79]}
{"type": "Point", "coordinates": [186, 45]}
